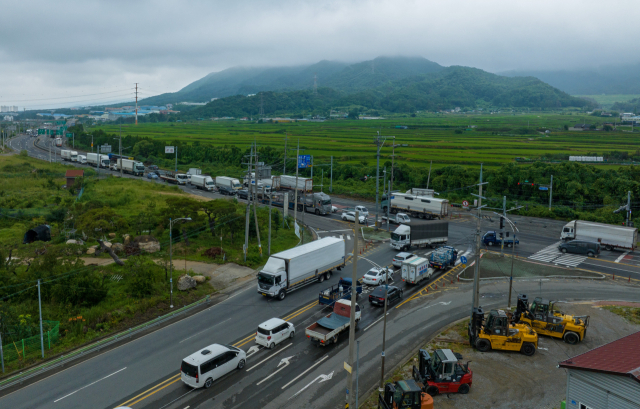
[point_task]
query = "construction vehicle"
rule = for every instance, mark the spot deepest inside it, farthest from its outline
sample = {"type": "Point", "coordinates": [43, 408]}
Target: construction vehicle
{"type": "Point", "coordinates": [442, 374]}
{"type": "Point", "coordinates": [404, 395]}
{"type": "Point", "coordinates": [545, 320]}
{"type": "Point", "coordinates": [499, 334]}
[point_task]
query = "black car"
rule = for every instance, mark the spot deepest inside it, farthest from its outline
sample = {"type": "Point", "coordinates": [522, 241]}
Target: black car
{"type": "Point", "coordinates": [227, 191]}
{"type": "Point", "coordinates": [243, 194]}
{"type": "Point", "coordinates": [152, 168]}
{"type": "Point", "coordinates": [377, 296]}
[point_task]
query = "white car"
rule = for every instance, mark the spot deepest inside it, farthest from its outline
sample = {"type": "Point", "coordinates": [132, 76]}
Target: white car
{"type": "Point", "coordinates": [363, 211]}
{"type": "Point", "coordinates": [274, 331]}
{"type": "Point", "coordinates": [334, 209]}
{"type": "Point", "coordinates": [377, 276]}
{"type": "Point", "coordinates": [201, 368]}
{"type": "Point", "coordinates": [351, 216]}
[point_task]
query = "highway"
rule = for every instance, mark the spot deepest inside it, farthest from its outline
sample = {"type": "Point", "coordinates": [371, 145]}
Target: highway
{"type": "Point", "coordinates": [144, 373]}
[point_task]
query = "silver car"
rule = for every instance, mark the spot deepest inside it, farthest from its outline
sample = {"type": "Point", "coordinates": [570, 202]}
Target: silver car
{"type": "Point", "coordinates": [400, 257]}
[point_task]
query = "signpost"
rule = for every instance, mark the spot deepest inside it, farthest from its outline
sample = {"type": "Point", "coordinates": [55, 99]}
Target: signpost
{"type": "Point", "coordinates": [169, 149]}
{"type": "Point", "coordinates": [104, 149]}
{"type": "Point", "coordinates": [465, 204]}
{"type": "Point", "coordinates": [543, 188]}
{"type": "Point", "coordinates": [304, 161]}
{"type": "Point", "coordinates": [463, 260]}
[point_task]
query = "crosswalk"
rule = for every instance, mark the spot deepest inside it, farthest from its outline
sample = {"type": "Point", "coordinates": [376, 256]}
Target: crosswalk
{"type": "Point", "coordinates": [551, 254]}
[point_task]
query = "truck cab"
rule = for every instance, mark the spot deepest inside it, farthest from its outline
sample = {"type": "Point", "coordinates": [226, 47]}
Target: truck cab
{"type": "Point", "coordinates": [404, 394]}
{"type": "Point", "coordinates": [272, 279]}
{"type": "Point", "coordinates": [568, 231]}
{"type": "Point", "coordinates": [401, 238]}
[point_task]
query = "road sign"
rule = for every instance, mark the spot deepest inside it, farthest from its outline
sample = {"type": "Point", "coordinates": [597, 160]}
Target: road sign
{"type": "Point", "coordinates": [105, 148]}
{"type": "Point", "coordinates": [543, 188]}
{"type": "Point", "coordinates": [465, 203]}
{"type": "Point", "coordinates": [304, 161]}
{"type": "Point", "coordinates": [463, 260]}
{"type": "Point", "coordinates": [169, 149]}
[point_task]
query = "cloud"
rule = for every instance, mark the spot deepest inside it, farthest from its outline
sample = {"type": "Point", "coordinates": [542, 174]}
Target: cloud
{"type": "Point", "coordinates": [72, 47]}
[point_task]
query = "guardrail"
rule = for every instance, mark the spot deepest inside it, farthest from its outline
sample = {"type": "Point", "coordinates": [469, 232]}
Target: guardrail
{"type": "Point", "coordinates": [64, 359]}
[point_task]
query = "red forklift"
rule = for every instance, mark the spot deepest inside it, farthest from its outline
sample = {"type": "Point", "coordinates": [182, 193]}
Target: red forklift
{"type": "Point", "coordinates": [442, 374]}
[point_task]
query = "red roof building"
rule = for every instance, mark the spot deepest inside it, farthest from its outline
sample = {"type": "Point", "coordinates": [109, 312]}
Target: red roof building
{"type": "Point", "coordinates": [71, 176]}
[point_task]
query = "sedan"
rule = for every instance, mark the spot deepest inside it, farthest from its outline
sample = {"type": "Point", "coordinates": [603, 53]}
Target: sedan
{"type": "Point", "coordinates": [400, 257]}
{"type": "Point", "coordinates": [152, 176]}
{"type": "Point", "coordinates": [377, 276]}
{"type": "Point", "coordinates": [377, 296]}
{"type": "Point", "coordinates": [351, 216]}
{"type": "Point", "coordinates": [244, 194]}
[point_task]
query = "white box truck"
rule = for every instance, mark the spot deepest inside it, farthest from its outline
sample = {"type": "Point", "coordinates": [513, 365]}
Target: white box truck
{"type": "Point", "coordinates": [423, 207]}
{"type": "Point", "coordinates": [609, 236]}
{"type": "Point", "coordinates": [69, 156]}
{"type": "Point", "coordinates": [227, 182]}
{"type": "Point", "coordinates": [203, 182]}
{"type": "Point", "coordinates": [420, 233]}
{"type": "Point", "coordinates": [130, 166]}
{"type": "Point", "coordinates": [293, 268]}
{"type": "Point", "coordinates": [92, 160]}
{"type": "Point", "coordinates": [415, 270]}
{"type": "Point", "coordinates": [289, 182]}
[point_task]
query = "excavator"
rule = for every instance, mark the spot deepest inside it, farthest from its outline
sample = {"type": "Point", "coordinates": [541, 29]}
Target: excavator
{"type": "Point", "coordinates": [545, 320]}
{"type": "Point", "coordinates": [499, 334]}
{"type": "Point", "coordinates": [442, 374]}
{"type": "Point", "coordinates": [404, 394]}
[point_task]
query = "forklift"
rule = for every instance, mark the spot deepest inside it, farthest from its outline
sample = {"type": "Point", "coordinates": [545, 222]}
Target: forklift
{"type": "Point", "coordinates": [545, 320]}
{"type": "Point", "coordinates": [499, 334]}
{"type": "Point", "coordinates": [404, 395]}
{"type": "Point", "coordinates": [442, 374]}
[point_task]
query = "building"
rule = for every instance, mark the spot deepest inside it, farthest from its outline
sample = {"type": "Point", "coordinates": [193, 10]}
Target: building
{"type": "Point", "coordinates": [607, 377]}
{"type": "Point", "coordinates": [72, 175]}
{"type": "Point", "coordinates": [8, 118]}
{"type": "Point", "coordinates": [8, 108]}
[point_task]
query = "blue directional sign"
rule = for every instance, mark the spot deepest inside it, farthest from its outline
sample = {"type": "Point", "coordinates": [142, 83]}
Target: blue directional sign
{"type": "Point", "coordinates": [304, 161]}
{"type": "Point", "coordinates": [463, 260]}
{"type": "Point", "coordinates": [543, 188]}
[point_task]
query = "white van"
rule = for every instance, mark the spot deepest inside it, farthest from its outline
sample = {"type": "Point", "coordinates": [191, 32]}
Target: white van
{"type": "Point", "coordinates": [363, 211]}
{"type": "Point", "coordinates": [205, 366]}
{"type": "Point", "coordinates": [272, 332]}
{"type": "Point", "coordinates": [82, 159]}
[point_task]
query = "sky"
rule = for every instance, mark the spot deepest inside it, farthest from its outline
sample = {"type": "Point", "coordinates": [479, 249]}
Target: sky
{"type": "Point", "coordinates": [80, 52]}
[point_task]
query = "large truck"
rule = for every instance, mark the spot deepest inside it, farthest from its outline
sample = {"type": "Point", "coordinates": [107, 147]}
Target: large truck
{"type": "Point", "coordinates": [175, 178]}
{"type": "Point", "coordinates": [326, 330]}
{"type": "Point", "coordinates": [291, 269]}
{"type": "Point", "coordinates": [203, 182]}
{"type": "Point", "coordinates": [318, 203]}
{"type": "Point", "coordinates": [229, 183]}
{"type": "Point", "coordinates": [415, 270]}
{"type": "Point", "coordinates": [93, 158]}
{"type": "Point", "coordinates": [423, 207]}
{"type": "Point", "coordinates": [443, 258]}
{"type": "Point", "coordinates": [289, 182]}
{"type": "Point", "coordinates": [130, 166]}
{"type": "Point", "coordinates": [609, 236]}
{"type": "Point", "coordinates": [58, 141]}
{"type": "Point", "coordinates": [69, 156]}
{"type": "Point", "coordinates": [420, 233]}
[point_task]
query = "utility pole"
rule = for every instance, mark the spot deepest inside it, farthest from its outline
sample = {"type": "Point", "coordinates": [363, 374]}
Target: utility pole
{"type": "Point", "coordinates": [378, 147]}
{"type": "Point", "coordinates": [40, 309]}
{"type": "Point", "coordinates": [331, 182]}
{"type": "Point", "coordinates": [388, 207]}
{"type": "Point", "coordinates": [476, 272]}
{"type": "Point", "coordinates": [429, 178]}
{"type": "Point", "coordinates": [255, 197]}
{"type": "Point", "coordinates": [248, 209]}
{"type": "Point", "coordinates": [628, 208]}
{"type": "Point", "coordinates": [550, 191]}
{"type": "Point", "coordinates": [352, 325]}
{"type": "Point", "coordinates": [1, 352]}
{"type": "Point", "coordinates": [136, 103]}
{"type": "Point", "coordinates": [311, 170]}
{"type": "Point", "coordinates": [120, 150]}
{"type": "Point", "coordinates": [270, 214]}
{"type": "Point", "coordinates": [284, 165]}
{"type": "Point", "coordinates": [393, 157]}
{"type": "Point", "coordinates": [176, 160]}
{"type": "Point", "coordinates": [295, 199]}
{"type": "Point", "coordinates": [504, 216]}
{"type": "Point", "coordinates": [384, 327]}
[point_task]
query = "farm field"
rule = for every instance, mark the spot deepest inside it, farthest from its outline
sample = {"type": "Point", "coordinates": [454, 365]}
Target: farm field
{"type": "Point", "coordinates": [492, 139]}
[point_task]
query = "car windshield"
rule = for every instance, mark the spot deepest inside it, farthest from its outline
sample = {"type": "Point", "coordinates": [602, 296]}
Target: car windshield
{"type": "Point", "coordinates": [326, 202]}
{"type": "Point", "coordinates": [395, 236]}
{"type": "Point", "coordinates": [237, 185]}
{"type": "Point", "coordinates": [210, 183]}
{"type": "Point", "coordinates": [266, 279]}
{"type": "Point", "coordinates": [189, 369]}
{"type": "Point", "coordinates": [363, 209]}
{"type": "Point", "coordinates": [182, 176]}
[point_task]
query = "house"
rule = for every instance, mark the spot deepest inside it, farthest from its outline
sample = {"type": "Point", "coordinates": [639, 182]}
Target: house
{"type": "Point", "coordinates": [71, 176]}
{"type": "Point", "coordinates": [607, 377]}
{"type": "Point", "coordinates": [580, 127]}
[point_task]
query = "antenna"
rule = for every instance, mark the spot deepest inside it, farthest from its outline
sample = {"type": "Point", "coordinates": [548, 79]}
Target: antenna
{"type": "Point", "coordinates": [315, 84]}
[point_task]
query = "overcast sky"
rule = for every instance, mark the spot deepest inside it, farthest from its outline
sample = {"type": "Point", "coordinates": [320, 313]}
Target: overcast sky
{"type": "Point", "coordinates": [78, 52]}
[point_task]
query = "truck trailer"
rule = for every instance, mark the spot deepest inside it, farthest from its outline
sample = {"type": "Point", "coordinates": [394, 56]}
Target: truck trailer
{"type": "Point", "coordinates": [69, 156]}
{"type": "Point", "coordinates": [203, 182]}
{"type": "Point", "coordinates": [289, 182]}
{"type": "Point", "coordinates": [130, 166]}
{"type": "Point", "coordinates": [423, 207]}
{"type": "Point", "coordinates": [92, 160]}
{"type": "Point", "coordinates": [420, 233]}
{"type": "Point", "coordinates": [296, 267]}
{"type": "Point", "coordinates": [609, 236]}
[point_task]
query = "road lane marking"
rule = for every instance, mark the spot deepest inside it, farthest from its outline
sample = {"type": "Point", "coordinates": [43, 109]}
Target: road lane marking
{"type": "Point", "coordinates": [92, 383]}
{"type": "Point", "coordinates": [376, 321]}
{"type": "Point", "coordinates": [622, 256]}
{"type": "Point", "coordinates": [310, 368]}
{"type": "Point", "coordinates": [322, 379]}
{"type": "Point", "coordinates": [148, 390]}
{"type": "Point", "coordinates": [240, 343]}
{"type": "Point", "coordinates": [303, 308]}
{"type": "Point", "coordinates": [269, 357]}
{"type": "Point", "coordinates": [284, 361]}
{"type": "Point", "coordinates": [157, 390]}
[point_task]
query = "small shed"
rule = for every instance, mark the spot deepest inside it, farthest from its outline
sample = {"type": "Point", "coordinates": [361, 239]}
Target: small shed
{"type": "Point", "coordinates": [71, 176]}
{"type": "Point", "coordinates": [38, 233]}
{"type": "Point", "coordinates": [607, 377]}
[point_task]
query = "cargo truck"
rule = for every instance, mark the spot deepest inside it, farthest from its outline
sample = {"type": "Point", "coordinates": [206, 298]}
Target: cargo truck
{"type": "Point", "coordinates": [443, 258]}
{"type": "Point", "coordinates": [326, 330]}
{"type": "Point", "coordinates": [175, 178]}
{"type": "Point", "coordinates": [340, 291]}
{"type": "Point", "coordinates": [92, 160]}
{"type": "Point", "coordinates": [420, 233]}
{"type": "Point", "coordinates": [69, 156]}
{"type": "Point", "coordinates": [228, 183]}
{"type": "Point", "coordinates": [291, 269]}
{"type": "Point", "coordinates": [58, 142]}
{"type": "Point", "coordinates": [415, 270]}
{"type": "Point", "coordinates": [203, 182]}
{"type": "Point", "coordinates": [423, 207]}
{"type": "Point", "coordinates": [130, 166]}
{"type": "Point", "coordinates": [491, 238]}
{"type": "Point", "coordinates": [289, 182]}
{"type": "Point", "coordinates": [609, 236]}
{"type": "Point", "coordinates": [399, 218]}
{"type": "Point", "coordinates": [82, 159]}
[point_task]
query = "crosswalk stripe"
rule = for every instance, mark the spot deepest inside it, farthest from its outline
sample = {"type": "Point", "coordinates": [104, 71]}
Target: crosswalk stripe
{"type": "Point", "coordinates": [342, 237]}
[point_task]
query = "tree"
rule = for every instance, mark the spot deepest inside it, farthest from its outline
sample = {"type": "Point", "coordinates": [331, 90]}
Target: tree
{"type": "Point", "coordinates": [96, 222]}
{"type": "Point", "coordinates": [353, 114]}
{"type": "Point", "coordinates": [182, 207]}
{"type": "Point", "coordinates": [215, 210]}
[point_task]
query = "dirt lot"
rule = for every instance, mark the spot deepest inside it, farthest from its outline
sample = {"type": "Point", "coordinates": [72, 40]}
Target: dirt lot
{"type": "Point", "coordinates": [509, 380]}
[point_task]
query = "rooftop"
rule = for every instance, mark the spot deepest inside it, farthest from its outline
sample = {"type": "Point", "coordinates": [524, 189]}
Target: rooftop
{"type": "Point", "coordinates": [621, 357]}
{"type": "Point", "coordinates": [74, 173]}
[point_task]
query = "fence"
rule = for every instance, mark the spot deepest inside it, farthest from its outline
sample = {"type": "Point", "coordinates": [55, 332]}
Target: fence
{"type": "Point", "coordinates": [30, 347]}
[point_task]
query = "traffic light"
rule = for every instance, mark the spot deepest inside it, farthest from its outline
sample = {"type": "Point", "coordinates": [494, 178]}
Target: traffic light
{"type": "Point", "coordinates": [532, 184]}
{"type": "Point", "coordinates": [518, 183]}
{"type": "Point", "coordinates": [501, 222]}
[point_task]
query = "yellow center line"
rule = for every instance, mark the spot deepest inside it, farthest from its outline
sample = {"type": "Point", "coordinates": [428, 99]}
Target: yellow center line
{"type": "Point", "coordinates": [244, 339]}
{"type": "Point", "coordinates": [148, 390]}
{"type": "Point", "coordinates": [303, 308]}
{"type": "Point", "coordinates": [157, 390]}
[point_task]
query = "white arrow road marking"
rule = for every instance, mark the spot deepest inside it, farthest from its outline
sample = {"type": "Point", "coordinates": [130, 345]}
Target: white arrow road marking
{"type": "Point", "coordinates": [310, 368]}
{"type": "Point", "coordinates": [269, 357]}
{"type": "Point", "coordinates": [253, 350]}
{"type": "Point", "coordinates": [322, 379]}
{"type": "Point", "coordinates": [284, 361]}
{"type": "Point", "coordinates": [433, 305]}
{"type": "Point", "coordinates": [544, 349]}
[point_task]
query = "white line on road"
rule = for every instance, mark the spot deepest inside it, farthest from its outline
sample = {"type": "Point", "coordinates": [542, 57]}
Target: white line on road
{"type": "Point", "coordinates": [89, 385]}
{"type": "Point", "coordinates": [310, 368]}
{"type": "Point", "coordinates": [375, 322]}
{"type": "Point", "coordinates": [198, 333]}
{"type": "Point", "coordinates": [269, 357]}
{"type": "Point", "coordinates": [322, 378]}
{"type": "Point", "coordinates": [284, 361]}
{"type": "Point", "coordinates": [622, 256]}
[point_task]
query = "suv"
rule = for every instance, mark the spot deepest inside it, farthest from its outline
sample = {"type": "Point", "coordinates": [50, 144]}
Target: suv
{"type": "Point", "coordinates": [400, 257]}
{"type": "Point", "coordinates": [201, 368]}
{"type": "Point", "coordinates": [590, 248]}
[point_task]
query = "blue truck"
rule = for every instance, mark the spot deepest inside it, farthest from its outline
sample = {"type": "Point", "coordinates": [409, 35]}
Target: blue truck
{"type": "Point", "coordinates": [491, 238]}
{"type": "Point", "coordinates": [340, 291]}
{"type": "Point", "coordinates": [443, 257]}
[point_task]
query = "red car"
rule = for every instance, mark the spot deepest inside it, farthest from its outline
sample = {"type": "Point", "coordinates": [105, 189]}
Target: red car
{"type": "Point", "coordinates": [442, 374]}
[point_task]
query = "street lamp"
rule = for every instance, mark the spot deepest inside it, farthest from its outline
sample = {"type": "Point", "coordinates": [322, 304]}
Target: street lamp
{"type": "Point", "coordinates": [186, 219]}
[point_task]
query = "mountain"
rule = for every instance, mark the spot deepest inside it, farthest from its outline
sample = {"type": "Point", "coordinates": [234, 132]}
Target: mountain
{"type": "Point", "coordinates": [337, 75]}
{"type": "Point", "coordinates": [620, 79]}
{"type": "Point", "coordinates": [444, 88]}
{"type": "Point", "coordinates": [628, 106]}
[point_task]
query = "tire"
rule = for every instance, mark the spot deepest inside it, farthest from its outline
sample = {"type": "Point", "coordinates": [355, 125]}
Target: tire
{"type": "Point", "coordinates": [490, 243]}
{"type": "Point", "coordinates": [509, 245]}
{"type": "Point", "coordinates": [400, 295]}
{"type": "Point", "coordinates": [327, 275]}
{"type": "Point", "coordinates": [291, 334]}
{"type": "Point", "coordinates": [272, 345]}
{"type": "Point", "coordinates": [608, 248]}
{"type": "Point", "coordinates": [564, 251]}
{"type": "Point", "coordinates": [528, 349]}
{"type": "Point", "coordinates": [321, 278]}
{"type": "Point", "coordinates": [394, 211]}
{"type": "Point", "coordinates": [483, 345]}
{"type": "Point", "coordinates": [433, 390]}
{"type": "Point", "coordinates": [464, 388]}
{"type": "Point", "coordinates": [241, 364]}
{"type": "Point", "coordinates": [344, 219]}
{"type": "Point", "coordinates": [317, 212]}
{"type": "Point", "coordinates": [571, 338]}
{"type": "Point", "coordinates": [591, 254]}
{"type": "Point", "coordinates": [281, 295]}
{"type": "Point", "coordinates": [208, 383]}
{"type": "Point", "coordinates": [334, 340]}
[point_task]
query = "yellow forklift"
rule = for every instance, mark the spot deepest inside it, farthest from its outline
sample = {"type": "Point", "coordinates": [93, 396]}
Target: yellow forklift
{"type": "Point", "coordinates": [546, 320]}
{"type": "Point", "coordinates": [500, 334]}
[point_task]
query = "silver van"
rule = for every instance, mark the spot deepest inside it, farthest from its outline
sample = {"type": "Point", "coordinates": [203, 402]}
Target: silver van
{"type": "Point", "coordinates": [590, 248]}
{"type": "Point", "coordinates": [205, 366]}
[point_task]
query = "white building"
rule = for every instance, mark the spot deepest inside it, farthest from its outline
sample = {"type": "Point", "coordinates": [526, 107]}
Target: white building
{"type": "Point", "coordinates": [8, 108]}
{"type": "Point", "coordinates": [8, 118]}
